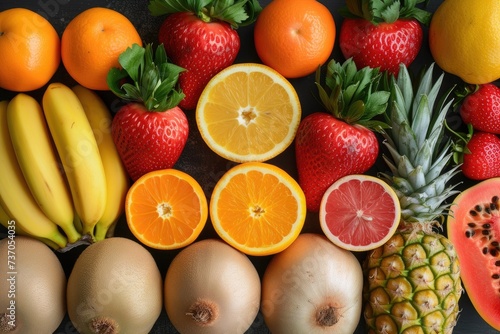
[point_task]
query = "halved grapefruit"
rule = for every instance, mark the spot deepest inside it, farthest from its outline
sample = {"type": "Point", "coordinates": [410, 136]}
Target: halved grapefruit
{"type": "Point", "coordinates": [359, 212]}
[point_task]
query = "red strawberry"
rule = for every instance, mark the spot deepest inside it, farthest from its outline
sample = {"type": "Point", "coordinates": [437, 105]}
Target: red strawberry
{"type": "Point", "coordinates": [203, 40]}
{"type": "Point", "coordinates": [329, 146]}
{"type": "Point", "coordinates": [382, 33]}
{"type": "Point", "coordinates": [482, 161]}
{"type": "Point", "coordinates": [481, 108]}
{"type": "Point", "coordinates": [149, 134]}
{"type": "Point", "coordinates": [327, 149]}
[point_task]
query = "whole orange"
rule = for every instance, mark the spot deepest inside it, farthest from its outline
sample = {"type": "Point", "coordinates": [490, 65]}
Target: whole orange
{"type": "Point", "coordinates": [294, 36]}
{"type": "Point", "coordinates": [29, 50]}
{"type": "Point", "coordinates": [464, 39]}
{"type": "Point", "coordinates": [92, 42]}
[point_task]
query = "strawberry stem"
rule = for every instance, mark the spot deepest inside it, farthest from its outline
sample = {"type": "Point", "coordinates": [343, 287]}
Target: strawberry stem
{"type": "Point", "coordinates": [459, 147]}
{"type": "Point", "coordinates": [464, 91]}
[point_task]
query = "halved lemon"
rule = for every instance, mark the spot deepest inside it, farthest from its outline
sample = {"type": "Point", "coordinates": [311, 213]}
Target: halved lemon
{"type": "Point", "coordinates": [258, 208]}
{"type": "Point", "coordinates": [166, 209]}
{"type": "Point", "coordinates": [248, 112]}
{"type": "Point", "coordinates": [359, 212]}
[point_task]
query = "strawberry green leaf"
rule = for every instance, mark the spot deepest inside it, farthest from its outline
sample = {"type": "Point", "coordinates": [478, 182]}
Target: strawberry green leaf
{"type": "Point", "coordinates": [459, 142]}
{"type": "Point", "coordinates": [146, 77]}
{"type": "Point", "coordinates": [355, 96]}
{"type": "Point", "coordinates": [167, 7]}
{"type": "Point", "coordinates": [231, 13]}
{"type": "Point", "coordinates": [235, 12]}
{"type": "Point", "coordinates": [377, 11]}
{"type": "Point", "coordinates": [133, 61]}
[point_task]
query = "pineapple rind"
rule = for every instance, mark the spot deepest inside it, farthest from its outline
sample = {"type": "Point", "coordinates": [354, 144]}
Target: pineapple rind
{"type": "Point", "coordinates": [424, 268]}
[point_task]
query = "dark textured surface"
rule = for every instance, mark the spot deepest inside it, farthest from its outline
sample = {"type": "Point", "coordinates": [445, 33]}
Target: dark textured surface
{"type": "Point", "coordinates": [197, 159]}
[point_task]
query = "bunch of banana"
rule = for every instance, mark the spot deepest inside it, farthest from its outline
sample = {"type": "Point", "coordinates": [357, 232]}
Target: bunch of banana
{"type": "Point", "coordinates": [117, 180]}
{"type": "Point", "coordinates": [62, 179]}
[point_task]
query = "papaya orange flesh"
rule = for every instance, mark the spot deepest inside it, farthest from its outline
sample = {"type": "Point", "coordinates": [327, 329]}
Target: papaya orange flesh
{"type": "Point", "coordinates": [474, 229]}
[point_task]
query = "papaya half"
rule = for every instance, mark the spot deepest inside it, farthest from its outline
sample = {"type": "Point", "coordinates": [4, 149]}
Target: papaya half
{"type": "Point", "coordinates": [473, 226]}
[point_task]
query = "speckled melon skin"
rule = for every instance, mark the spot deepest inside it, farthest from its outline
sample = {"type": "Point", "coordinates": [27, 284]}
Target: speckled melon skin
{"type": "Point", "coordinates": [474, 229]}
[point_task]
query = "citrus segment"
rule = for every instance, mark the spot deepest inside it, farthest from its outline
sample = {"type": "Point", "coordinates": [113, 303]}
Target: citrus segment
{"type": "Point", "coordinates": [166, 209]}
{"type": "Point", "coordinates": [359, 212]}
{"type": "Point", "coordinates": [248, 112]}
{"type": "Point", "coordinates": [257, 208]}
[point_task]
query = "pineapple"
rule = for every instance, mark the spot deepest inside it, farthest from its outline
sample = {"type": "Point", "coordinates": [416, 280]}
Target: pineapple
{"type": "Point", "coordinates": [413, 282]}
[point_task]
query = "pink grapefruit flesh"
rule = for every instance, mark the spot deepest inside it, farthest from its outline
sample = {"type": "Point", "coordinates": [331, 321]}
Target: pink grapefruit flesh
{"type": "Point", "coordinates": [359, 212]}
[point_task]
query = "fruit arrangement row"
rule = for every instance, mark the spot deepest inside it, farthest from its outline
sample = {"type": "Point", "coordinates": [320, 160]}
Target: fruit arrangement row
{"type": "Point", "coordinates": [375, 170]}
{"type": "Point", "coordinates": [106, 290]}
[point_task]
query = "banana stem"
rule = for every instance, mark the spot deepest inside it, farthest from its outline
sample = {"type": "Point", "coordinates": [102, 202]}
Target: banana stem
{"type": "Point", "coordinates": [59, 239]}
{"type": "Point", "coordinates": [71, 232]}
{"type": "Point", "coordinates": [49, 243]}
{"type": "Point", "coordinates": [101, 230]}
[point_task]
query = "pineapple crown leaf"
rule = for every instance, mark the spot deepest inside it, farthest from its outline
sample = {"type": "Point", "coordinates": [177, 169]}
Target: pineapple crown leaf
{"type": "Point", "coordinates": [355, 96]}
{"type": "Point", "coordinates": [378, 11]}
{"type": "Point", "coordinates": [411, 114]}
{"type": "Point", "coordinates": [237, 13]}
{"type": "Point", "coordinates": [146, 77]}
{"type": "Point", "coordinates": [419, 153]}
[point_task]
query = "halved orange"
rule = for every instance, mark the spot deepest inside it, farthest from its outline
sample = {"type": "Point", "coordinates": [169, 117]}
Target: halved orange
{"type": "Point", "coordinates": [359, 212]}
{"type": "Point", "coordinates": [257, 208]}
{"type": "Point", "coordinates": [248, 112]}
{"type": "Point", "coordinates": [166, 209]}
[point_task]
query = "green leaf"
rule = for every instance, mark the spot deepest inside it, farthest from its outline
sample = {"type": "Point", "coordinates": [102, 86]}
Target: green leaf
{"type": "Point", "coordinates": [147, 77]}
{"type": "Point", "coordinates": [115, 78]}
{"type": "Point", "coordinates": [376, 104]}
{"type": "Point", "coordinates": [162, 7]}
{"type": "Point", "coordinates": [132, 92]}
{"type": "Point", "coordinates": [235, 12]}
{"type": "Point", "coordinates": [353, 95]}
{"type": "Point", "coordinates": [232, 14]}
{"type": "Point", "coordinates": [132, 60]}
{"type": "Point", "coordinates": [386, 11]}
{"type": "Point", "coordinates": [355, 111]}
{"type": "Point", "coordinates": [377, 11]}
{"type": "Point", "coordinates": [420, 123]}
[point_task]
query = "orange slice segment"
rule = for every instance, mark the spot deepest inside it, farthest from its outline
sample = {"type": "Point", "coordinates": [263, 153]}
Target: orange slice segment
{"type": "Point", "coordinates": [359, 212]}
{"type": "Point", "coordinates": [257, 208]}
{"type": "Point", "coordinates": [248, 112]}
{"type": "Point", "coordinates": [166, 209]}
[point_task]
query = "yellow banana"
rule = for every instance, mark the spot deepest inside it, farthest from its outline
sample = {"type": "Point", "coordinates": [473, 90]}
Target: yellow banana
{"type": "Point", "coordinates": [39, 163]}
{"type": "Point", "coordinates": [4, 217]}
{"type": "Point", "coordinates": [15, 196]}
{"type": "Point", "coordinates": [78, 151]}
{"type": "Point", "coordinates": [117, 181]}
{"type": "Point", "coordinates": [10, 225]}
